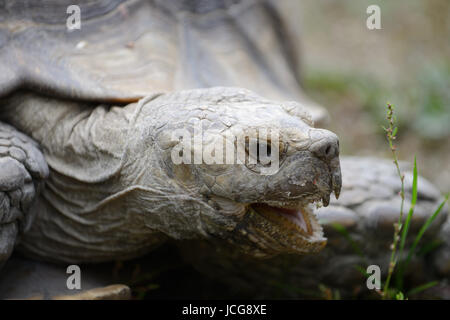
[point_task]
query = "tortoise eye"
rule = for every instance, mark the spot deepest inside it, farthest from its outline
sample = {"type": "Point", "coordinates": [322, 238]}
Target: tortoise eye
{"type": "Point", "coordinates": [259, 152]}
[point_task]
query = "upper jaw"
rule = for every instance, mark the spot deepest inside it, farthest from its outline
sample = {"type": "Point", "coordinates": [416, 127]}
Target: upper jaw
{"type": "Point", "coordinates": [336, 177]}
{"type": "Point", "coordinates": [320, 193]}
{"type": "Point", "coordinates": [319, 197]}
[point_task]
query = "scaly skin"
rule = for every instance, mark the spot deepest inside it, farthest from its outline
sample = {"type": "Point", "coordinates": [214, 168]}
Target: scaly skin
{"type": "Point", "coordinates": [114, 191]}
{"type": "Point", "coordinates": [22, 172]}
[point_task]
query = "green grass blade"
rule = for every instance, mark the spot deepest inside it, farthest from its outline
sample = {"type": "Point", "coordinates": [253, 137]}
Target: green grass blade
{"type": "Point", "coordinates": [424, 228]}
{"type": "Point", "coordinates": [405, 227]}
{"type": "Point", "coordinates": [411, 209]}
{"type": "Point", "coordinates": [361, 270]}
{"type": "Point", "coordinates": [422, 287]}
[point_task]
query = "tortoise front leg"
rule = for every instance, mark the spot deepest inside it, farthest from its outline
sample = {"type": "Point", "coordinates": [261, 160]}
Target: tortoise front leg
{"type": "Point", "coordinates": [22, 172]}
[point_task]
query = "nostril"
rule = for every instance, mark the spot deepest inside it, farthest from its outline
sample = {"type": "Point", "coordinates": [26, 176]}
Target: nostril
{"type": "Point", "coordinates": [325, 144]}
{"type": "Point", "coordinates": [325, 149]}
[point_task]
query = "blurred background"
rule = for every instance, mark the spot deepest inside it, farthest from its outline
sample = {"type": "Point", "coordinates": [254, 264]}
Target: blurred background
{"type": "Point", "coordinates": [354, 72]}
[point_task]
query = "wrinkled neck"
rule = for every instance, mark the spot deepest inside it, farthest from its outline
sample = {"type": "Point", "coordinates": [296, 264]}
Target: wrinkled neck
{"type": "Point", "coordinates": [79, 140]}
{"type": "Point", "coordinates": [91, 207]}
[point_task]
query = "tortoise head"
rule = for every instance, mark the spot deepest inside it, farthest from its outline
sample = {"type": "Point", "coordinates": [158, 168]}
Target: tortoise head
{"type": "Point", "coordinates": [241, 169]}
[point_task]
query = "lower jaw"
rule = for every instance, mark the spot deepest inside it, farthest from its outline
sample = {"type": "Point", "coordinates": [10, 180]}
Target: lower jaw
{"type": "Point", "coordinates": [291, 235]}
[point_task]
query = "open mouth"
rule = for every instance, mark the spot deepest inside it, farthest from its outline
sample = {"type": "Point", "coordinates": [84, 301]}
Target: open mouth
{"type": "Point", "coordinates": [300, 219]}
{"type": "Point", "coordinates": [289, 227]}
{"type": "Point", "coordinates": [295, 219]}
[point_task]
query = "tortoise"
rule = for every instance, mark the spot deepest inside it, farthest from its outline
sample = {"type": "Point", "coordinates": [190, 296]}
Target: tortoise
{"type": "Point", "coordinates": [87, 121]}
{"type": "Point", "coordinates": [103, 112]}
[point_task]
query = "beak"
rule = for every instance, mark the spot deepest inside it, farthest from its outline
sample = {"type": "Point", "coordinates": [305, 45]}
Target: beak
{"type": "Point", "coordinates": [336, 177]}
